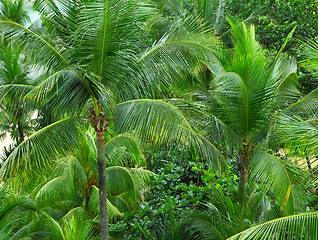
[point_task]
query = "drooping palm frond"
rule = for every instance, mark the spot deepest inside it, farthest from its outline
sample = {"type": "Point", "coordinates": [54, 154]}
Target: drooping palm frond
{"type": "Point", "coordinates": [164, 13]}
{"type": "Point", "coordinates": [123, 150]}
{"type": "Point", "coordinates": [201, 115]}
{"type": "Point", "coordinates": [158, 121]}
{"type": "Point", "coordinates": [93, 204]}
{"type": "Point", "coordinates": [283, 82]}
{"type": "Point", "coordinates": [298, 124]}
{"type": "Point", "coordinates": [301, 226]}
{"type": "Point", "coordinates": [198, 226]}
{"type": "Point", "coordinates": [39, 47]}
{"type": "Point", "coordinates": [16, 211]}
{"type": "Point", "coordinates": [7, 91]}
{"type": "Point", "coordinates": [36, 152]}
{"type": "Point", "coordinates": [268, 170]}
{"type": "Point", "coordinates": [57, 189]}
{"type": "Point", "coordinates": [64, 89]}
{"type": "Point", "coordinates": [186, 44]}
{"type": "Point", "coordinates": [224, 216]}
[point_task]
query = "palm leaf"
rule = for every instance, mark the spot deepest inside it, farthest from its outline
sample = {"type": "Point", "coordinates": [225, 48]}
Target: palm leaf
{"type": "Point", "coordinates": [301, 226]}
{"type": "Point", "coordinates": [311, 52]}
{"type": "Point", "coordinates": [36, 152]}
{"type": "Point", "coordinates": [268, 170]}
{"type": "Point", "coordinates": [158, 122]}
{"type": "Point", "coordinates": [123, 150]}
{"type": "Point", "coordinates": [113, 212]}
{"type": "Point", "coordinates": [187, 42]}
{"type": "Point", "coordinates": [297, 124]}
{"type": "Point", "coordinates": [39, 47]}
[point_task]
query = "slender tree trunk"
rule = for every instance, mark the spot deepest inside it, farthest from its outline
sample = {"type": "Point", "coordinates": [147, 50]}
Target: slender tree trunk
{"type": "Point", "coordinates": [99, 123]}
{"type": "Point", "coordinates": [20, 129]}
{"type": "Point", "coordinates": [102, 185]}
{"type": "Point", "coordinates": [242, 187]}
{"type": "Point", "coordinates": [308, 163]}
{"type": "Point", "coordinates": [243, 158]}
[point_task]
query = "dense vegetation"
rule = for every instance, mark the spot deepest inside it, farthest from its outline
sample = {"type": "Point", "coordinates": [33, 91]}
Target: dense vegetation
{"type": "Point", "coordinates": [149, 119]}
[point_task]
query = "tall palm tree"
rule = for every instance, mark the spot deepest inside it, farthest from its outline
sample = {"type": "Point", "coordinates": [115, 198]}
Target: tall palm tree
{"type": "Point", "coordinates": [87, 51]}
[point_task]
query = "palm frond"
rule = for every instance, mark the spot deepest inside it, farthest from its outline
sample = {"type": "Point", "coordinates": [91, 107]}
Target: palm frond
{"type": "Point", "coordinates": [197, 227]}
{"type": "Point", "coordinates": [188, 42]}
{"type": "Point", "coordinates": [113, 212]}
{"type": "Point", "coordinates": [158, 122]}
{"type": "Point", "coordinates": [36, 152]}
{"type": "Point", "coordinates": [57, 189]}
{"type": "Point", "coordinates": [301, 226]}
{"type": "Point", "coordinates": [297, 124]}
{"type": "Point", "coordinates": [268, 170]}
{"type": "Point", "coordinates": [311, 53]}
{"type": "Point", "coordinates": [39, 47]}
{"type": "Point", "coordinates": [119, 180]}
{"type": "Point", "coordinates": [283, 81]}
{"type": "Point", "coordinates": [123, 150]}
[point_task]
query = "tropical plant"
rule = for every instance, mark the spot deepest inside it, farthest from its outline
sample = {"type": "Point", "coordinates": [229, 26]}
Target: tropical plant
{"type": "Point", "coordinates": [74, 185]}
{"type": "Point", "coordinates": [203, 226]}
{"type": "Point", "coordinates": [298, 123]}
{"type": "Point", "coordinates": [89, 60]}
{"type": "Point", "coordinates": [245, 91]}
{"type": "Point", "coordinates": [15, 83]}
{"type": "Point", "coordinates": [22, 218]}
{"type": "Point", "coordinates": [304, 227]}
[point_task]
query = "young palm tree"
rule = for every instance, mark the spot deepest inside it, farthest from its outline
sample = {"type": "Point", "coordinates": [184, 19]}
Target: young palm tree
{"type": "Point", "coordinates": [87, 51]}
{"type": "Point", "coordinates": [74, 178]}
{"type": "Point", "coordinates": [240, 98]}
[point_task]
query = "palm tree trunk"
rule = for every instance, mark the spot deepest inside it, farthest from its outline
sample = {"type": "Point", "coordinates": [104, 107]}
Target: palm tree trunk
{"type": "Point", "coordinates": [20, 129]}
{"type": "Point", "coordinates": [243, 157]}
{"type": "Point", "coordinates": [103, 216]}
{"type": "Point", "coordinates": [242, 187]}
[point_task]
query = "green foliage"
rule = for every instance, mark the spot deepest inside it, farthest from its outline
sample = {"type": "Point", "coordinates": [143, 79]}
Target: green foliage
{"type": "Point", "coordinates": [274, 20]}
{"type": "Point", "coordinates": [180, 185]}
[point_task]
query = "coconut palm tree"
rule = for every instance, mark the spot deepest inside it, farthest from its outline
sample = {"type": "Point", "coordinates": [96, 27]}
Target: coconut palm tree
{"type": "Point", "coordinates": [245, 91]}
{"type": "Point", "coordinates": [87, 51]}
{"type": "Point", "coordinates": [247, 98]}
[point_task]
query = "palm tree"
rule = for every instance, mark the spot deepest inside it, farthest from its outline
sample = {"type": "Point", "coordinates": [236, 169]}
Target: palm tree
{"type": "Point", "coordinates": [15, 81]}
{"type": "Point", "coordinates": [239, 101]}
{"type": "Point", "coordinates": [87, 51]}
